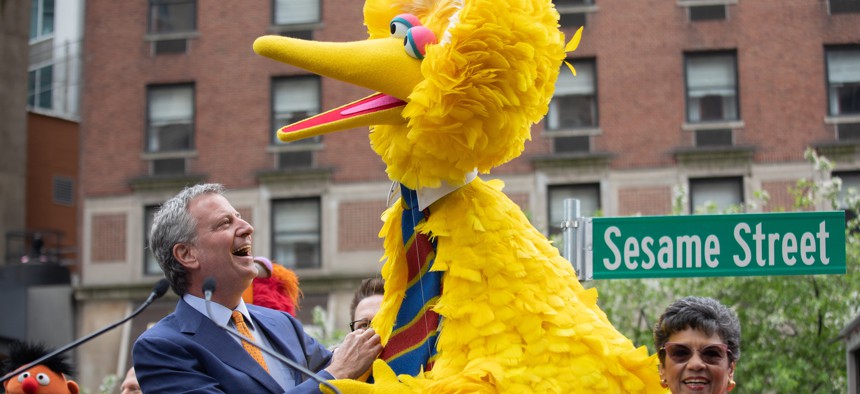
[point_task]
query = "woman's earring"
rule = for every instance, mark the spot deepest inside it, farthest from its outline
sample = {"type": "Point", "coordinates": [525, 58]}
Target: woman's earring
{"type": "Point", "coordinates": [664, 384]}
{"type": "Point", "coordinates": [732, 384]}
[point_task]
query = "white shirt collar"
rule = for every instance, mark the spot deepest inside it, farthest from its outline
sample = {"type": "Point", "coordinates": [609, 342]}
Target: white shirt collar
{"type": "Point", "coordinates": [221, 315]}
{"type": "Point", "coordinates": [429, 195]}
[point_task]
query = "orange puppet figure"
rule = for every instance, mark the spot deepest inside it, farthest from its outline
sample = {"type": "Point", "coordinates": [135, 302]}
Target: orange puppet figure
{"type": "Point", "coordinates": [49, 377]}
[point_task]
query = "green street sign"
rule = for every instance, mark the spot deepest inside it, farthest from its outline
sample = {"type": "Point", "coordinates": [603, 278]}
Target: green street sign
{"type": "Point", "coordinates": [757, 244]}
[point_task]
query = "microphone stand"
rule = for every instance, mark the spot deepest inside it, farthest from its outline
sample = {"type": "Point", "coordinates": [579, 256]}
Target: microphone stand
{"type": "Point", "coordinates": [208, 289]}
{"type": "Point", "coordinates": [158, 290]}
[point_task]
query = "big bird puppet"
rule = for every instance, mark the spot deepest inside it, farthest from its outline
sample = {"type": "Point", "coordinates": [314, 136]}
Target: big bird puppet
{"type": "Point", "coordinates": [476, 299]}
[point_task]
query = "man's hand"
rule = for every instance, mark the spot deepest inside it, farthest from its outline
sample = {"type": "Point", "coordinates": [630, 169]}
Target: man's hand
{"type": "Point", "coordinates": [355, 355]}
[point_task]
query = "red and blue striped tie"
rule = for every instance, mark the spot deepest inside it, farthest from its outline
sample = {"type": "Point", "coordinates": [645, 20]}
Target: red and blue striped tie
{"type": "Point", "coordinates": [412, 345]}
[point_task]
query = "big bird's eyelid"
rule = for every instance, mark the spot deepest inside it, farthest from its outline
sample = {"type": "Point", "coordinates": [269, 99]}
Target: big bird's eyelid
{"type": "Point", "coordinates": [400, 24]}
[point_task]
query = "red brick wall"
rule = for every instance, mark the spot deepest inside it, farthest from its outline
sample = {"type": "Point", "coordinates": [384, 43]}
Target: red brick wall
{"type": "Point", "coordinates": [780, 198]}
{"type": "Point", "coordinates": [639, 49]}
{"type": "Point", "coordinates": [645, 201]}
{"type": "Point", "coordinates": [359, 224]}
{"type": "Point", "coordinates": [109, 234]}
{"type": "Point", "coordinates": [52, 151]}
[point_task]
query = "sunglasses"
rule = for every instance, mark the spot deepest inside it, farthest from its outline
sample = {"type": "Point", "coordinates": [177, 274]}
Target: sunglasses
{"type": "Point", "coordinates": [359, 324]}
{"type": "Point", "coordinates": [711, 354]}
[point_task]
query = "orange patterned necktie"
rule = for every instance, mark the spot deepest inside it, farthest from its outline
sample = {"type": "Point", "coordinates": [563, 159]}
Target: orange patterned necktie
{"type": "Point", "coordinates": [249, 347]}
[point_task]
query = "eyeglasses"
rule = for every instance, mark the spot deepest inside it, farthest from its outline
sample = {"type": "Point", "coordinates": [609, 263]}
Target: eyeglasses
{"type": "Point", "coordinates": [711, 354]}
{"type": "Point", "coordinates": [359, 324]}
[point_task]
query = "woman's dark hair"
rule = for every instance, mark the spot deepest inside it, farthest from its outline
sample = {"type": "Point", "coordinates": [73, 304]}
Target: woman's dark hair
{"type": "Point", "coordinates": [699, 313]}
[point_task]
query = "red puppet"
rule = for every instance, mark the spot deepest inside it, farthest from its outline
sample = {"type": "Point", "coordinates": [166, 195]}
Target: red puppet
{"type": "Point", "coordinates": [49, 377]}
{"type": "Point", "coordinates": [276, 287]}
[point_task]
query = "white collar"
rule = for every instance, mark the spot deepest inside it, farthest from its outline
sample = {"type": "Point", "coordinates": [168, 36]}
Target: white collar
{"type": "Point", "coordinates": [429, 195]}
{"type": "Point", "coordinates": [221, 315]}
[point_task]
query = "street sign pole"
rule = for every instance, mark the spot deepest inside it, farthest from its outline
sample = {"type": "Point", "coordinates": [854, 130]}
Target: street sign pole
{"type": "Point", "coordinates": [573, 233]}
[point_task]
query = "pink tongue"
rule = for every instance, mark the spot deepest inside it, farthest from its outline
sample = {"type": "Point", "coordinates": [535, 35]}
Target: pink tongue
{"type": "Point", "coordinates": [370, 104]}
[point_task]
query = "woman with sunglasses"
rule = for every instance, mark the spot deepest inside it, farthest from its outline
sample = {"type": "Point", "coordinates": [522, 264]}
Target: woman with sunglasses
{"type": "Point", "coordinates": [699, 343]}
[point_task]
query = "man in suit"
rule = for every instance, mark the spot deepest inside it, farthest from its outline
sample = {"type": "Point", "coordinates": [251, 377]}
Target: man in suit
{"type": "Point", "coordinates": [197, 235]}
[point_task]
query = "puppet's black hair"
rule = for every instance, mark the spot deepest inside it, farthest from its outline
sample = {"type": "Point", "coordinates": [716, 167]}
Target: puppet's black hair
{"type": "Point", "coordinates": [22, 353]}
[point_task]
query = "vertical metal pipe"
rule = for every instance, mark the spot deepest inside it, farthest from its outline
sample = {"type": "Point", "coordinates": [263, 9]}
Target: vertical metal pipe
{"type": "Point", "coordinates": [569, 225]}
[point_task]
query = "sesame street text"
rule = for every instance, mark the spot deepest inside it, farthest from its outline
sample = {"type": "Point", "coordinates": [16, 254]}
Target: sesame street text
{"type": "Point", "coordinates": [718, 245]}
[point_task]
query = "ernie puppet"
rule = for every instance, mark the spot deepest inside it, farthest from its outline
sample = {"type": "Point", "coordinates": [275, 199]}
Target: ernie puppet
{"type": "Point", "coordinates": [476, 299]}
{"type": "Point", "coordinates": [49, 377]}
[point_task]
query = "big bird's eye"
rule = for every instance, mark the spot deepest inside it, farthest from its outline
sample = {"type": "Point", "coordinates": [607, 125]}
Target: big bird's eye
{"type": "Point", "coordinates": [416, 41]}
{"type": "Point", "coordinates": [43, 379]}
{"type": "Point", "coordinates": [23, 376]}
{"type": "Point", "coordinates": [401, 23]}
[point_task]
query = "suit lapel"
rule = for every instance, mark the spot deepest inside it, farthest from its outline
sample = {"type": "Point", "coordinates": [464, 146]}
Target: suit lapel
{"type": "Point", "coordinates": [286, 341]}
{"type": "Point", "coordinates": [209, 335]}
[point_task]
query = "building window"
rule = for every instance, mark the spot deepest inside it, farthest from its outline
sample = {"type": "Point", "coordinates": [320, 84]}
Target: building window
{"type": "Point", "coordinates": [573, 3]}
{"type": "Point", "coordinates": [589, 202]}
{"type": "Point", "coordinates": [39, 88]}
{"type": "Point", "coordinates": [63, 190]}
{"type": "Point", "coordinates": [574, 103]}
{"type": "Point", "coordinates": [294, 99]}
{"type": "Point", "coordinates": [571, 144]}
{"type": "Point", "coordinates": [296, 232]}
{"type": "Point", "coordinates": [170, 118]}
{"type": "Point", "coordinates": [172, 16]}
{"type": "Point", "coordinates": [712, 90]}
{"type": "Point", "coordinates": [291, 12]}
{"type": "Point", "coordinates": [170, 127]}
{"type": "Point", "coordinates": [716, 195]}
{"type": "Point", "coordinates": [573, 13]}
{"type": "Point", "coordinates": [41, 19]}
{"type": "Point", "coordinates": [843, 80]}
{"type": "Point", "coordinates": [713, 12]}
{"type": "Point", "coordinates": [706, 138]}
{"type": "Point", "coordinates": [844, 6]}
{"type": "Point", "coordinates": [150, 264]}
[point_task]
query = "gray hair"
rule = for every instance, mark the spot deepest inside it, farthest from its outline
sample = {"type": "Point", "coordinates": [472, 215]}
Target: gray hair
{"type": "Point", "coordinates": [699, 313]}
{"type": "Point", "coordinates": [173, 225]}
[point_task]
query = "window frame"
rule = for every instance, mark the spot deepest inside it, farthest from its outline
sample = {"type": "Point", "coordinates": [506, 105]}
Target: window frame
{"type": "Point", "coordinates": [715, 181]}
{"type": "Point", "coordinates": [273, 114]}
{"type": "Point", "coordinates": [150, 23]}
{"type": "Point", "coordinates": [149, 121]}
{"type": "Point", "coordinates": [37, 87]}
{"type": "Point", "coordinates": [833, 112]}
{"type": "Point", "coordinates": [853, 9]}
{"type": "Point", "coordinates": [577, 188]}
{"type": "Point", "coordinates": [38, 15]}
{"type": "Point", "coordinates": [572, 12]}
{"type": "Point", "coordinates": [301, 151]}
{"type": "Point", "coordinates": [317, 233]}
{"type": "Point", "coordinates": [301, 24]}
{"type": "Point", "coordinates": [688, 101]}
{"type": "Point", "coordinates": [553, 111]}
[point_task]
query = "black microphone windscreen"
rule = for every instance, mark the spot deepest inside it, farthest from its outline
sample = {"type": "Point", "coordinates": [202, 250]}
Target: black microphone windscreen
{"type": "Point", "coordinates": [161, 287]}
{"type": "Point", "coordinates": [209, 284]}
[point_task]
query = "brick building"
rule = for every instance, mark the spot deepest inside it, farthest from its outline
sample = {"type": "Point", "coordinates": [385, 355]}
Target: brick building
{"type": "Point", "coordinates": [718, 98]}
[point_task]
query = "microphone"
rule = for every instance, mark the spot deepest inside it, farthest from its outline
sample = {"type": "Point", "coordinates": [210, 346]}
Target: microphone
{"type": "Point", "coordinates": [157, 291]}
{"type": "Point", "coordinates": [209, 289]}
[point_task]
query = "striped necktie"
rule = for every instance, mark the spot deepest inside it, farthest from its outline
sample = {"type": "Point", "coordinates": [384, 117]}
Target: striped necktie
{"type": "Point", "coordinates": [412, 345]}
{"type": "Point", "coordinates": [255, 352]}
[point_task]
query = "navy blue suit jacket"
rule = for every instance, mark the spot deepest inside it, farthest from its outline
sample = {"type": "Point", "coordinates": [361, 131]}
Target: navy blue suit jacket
{"type": "Point", "coordinates": [188, 353]}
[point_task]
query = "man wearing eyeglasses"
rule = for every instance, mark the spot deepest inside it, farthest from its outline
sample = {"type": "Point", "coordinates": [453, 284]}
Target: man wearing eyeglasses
{"type": "Point", "coordinates": [365, 303]}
